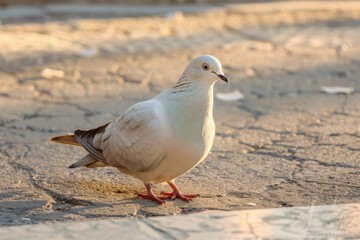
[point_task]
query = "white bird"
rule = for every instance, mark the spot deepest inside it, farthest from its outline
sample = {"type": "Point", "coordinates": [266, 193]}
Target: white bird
{"type": "Point", "coordinates": [160, 139]}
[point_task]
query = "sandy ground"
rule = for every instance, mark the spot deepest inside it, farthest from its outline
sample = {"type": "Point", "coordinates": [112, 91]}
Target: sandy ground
{"type": "Point", "coordinates": [285, 144]}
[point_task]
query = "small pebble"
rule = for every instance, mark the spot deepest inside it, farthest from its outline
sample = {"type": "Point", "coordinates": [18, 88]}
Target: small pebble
{"type": "Point", "coordinates": [251, 204]}
{"type": "Point", "coordinates": [49, 73]}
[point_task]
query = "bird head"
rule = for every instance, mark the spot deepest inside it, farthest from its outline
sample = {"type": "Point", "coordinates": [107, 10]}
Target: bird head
{"type": "Point", "coordinates": [206, 68]}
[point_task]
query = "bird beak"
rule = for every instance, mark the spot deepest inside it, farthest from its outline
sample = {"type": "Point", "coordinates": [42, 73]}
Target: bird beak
{"type": "Point", "coordinates": [221, 76]}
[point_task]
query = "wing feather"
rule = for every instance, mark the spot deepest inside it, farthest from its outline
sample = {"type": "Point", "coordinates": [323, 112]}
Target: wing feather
{"type": "Point", "coordinates": [86, 139]}
{"type": "Point", "coordinates": [137, 139]}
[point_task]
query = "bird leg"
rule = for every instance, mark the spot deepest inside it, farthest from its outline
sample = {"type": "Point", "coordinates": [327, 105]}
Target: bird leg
{"type": "Point", "coordinates": [150, 195]}
{"type": "Point", "coordinates": [176, 193]}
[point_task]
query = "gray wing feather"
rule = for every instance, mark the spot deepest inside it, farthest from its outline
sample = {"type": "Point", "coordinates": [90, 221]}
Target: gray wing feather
{"type": "Point", "coordinates": [86, 139]}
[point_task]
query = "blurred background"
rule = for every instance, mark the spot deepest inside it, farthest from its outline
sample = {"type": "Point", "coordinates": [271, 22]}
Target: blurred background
{"type": "Point", "coordinates": [288, 130]}
{"type": "Point", "coordinates": [30, 2]}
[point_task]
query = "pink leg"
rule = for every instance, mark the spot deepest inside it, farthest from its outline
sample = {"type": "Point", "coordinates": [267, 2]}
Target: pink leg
{"type": "Point", "coordinates": [178, 194]}
{"type": "Point", "coordinates": [150, 195]}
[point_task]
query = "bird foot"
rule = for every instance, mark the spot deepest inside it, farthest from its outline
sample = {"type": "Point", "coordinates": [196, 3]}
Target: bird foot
{"type": "Point", "coordinates": [177, 194]}
{"type": "Point", "coordinates": [152, 197]}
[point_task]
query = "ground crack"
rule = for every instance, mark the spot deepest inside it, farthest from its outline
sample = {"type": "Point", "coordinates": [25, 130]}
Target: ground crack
{"type": "Point", "coordinates": [51, 196]}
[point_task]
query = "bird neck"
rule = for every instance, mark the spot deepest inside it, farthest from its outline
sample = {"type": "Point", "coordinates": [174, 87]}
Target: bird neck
{"type": "Point", "coordinates": [184, 84]}
{"type": "Point", "coordinates": [192, 97]}
{"type": "Point", "coordinates": [190, 105]}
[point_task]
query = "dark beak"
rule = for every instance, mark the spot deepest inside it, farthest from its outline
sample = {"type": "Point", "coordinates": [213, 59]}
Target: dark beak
{"type": "Point", "coordinates": [222, 77]}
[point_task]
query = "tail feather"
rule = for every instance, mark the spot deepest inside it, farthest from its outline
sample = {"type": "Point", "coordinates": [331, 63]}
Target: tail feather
{"type": "Point", "coordinates": [66, 139]}
{"type": "Point", "coordinates": [88, 161]}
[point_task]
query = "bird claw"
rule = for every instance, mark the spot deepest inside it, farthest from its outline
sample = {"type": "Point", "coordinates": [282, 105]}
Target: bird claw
{"type": "Point", "coordinates": [151, 197]}
{"type": "Point", "coordinates": [174, 195]}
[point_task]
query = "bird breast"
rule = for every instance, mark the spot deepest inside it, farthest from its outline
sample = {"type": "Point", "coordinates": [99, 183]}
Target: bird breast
{"type": "Point", "coordinates": [191, 119]}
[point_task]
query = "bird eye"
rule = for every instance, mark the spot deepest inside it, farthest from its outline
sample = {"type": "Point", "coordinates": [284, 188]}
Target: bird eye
{"type": "Point", "coordinates": [205, 67]}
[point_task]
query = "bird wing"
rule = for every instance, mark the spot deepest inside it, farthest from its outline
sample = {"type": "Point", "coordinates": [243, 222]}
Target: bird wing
{"type": "Point", "coordinates": [137, 139]}
{"type": "Point", "coordinates": [86, 139]}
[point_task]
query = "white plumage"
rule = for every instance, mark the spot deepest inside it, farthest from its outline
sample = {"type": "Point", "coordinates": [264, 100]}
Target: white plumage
{"type": "Point", "coordinates": [159, 139]}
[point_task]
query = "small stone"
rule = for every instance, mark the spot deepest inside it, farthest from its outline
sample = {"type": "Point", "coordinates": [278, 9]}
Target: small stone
{"type": "Point", "coordinates": [337, 90]}
{"type": "Point", "coordinates": [244, 151]}
{"type": "Point", "coordinates": [251, 204]}
{"type": "Point", "coordinates": [50, 73]}
{"type": "Point", "coordinates": [230, 96]}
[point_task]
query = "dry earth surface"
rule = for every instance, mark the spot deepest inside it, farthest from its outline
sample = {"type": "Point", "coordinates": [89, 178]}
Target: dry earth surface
{"type": "Point", "coordinates": [285, 144]}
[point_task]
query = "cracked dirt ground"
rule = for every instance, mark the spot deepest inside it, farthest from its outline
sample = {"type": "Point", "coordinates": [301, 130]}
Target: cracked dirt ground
{"type": "Point", "coordinates": [285, 144]}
